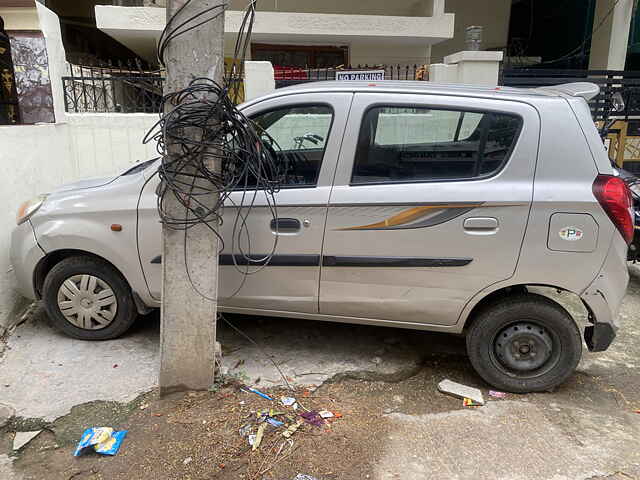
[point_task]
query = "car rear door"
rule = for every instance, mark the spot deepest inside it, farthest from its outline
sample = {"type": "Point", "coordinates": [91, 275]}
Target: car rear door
{"type": "Point", "coordinates": [307, 129]}
{"type": "Point", "coordinates": [429, 206]}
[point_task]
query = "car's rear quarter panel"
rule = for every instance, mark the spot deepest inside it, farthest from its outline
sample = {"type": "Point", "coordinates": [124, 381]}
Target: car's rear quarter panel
{"type": "Point", "coordinates": [563, 183]}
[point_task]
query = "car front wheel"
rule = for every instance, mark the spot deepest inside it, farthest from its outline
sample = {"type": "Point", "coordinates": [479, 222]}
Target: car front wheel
{"type": "Point", "coordinates": [525, 343]}
{"type": "Point", "coordinates": [88, 299]}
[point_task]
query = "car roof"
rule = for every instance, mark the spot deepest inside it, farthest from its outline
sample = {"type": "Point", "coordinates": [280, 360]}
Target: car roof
{"type": "Point", "coordinates": [580, 89]}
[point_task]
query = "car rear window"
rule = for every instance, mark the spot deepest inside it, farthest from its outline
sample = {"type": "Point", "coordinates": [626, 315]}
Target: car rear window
{"type": "Point", "coordinates": [398, 144]}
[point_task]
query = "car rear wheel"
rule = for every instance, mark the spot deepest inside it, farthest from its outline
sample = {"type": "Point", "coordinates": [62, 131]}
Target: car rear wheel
{"type": "Point", "coordinates": [525, 343]}
{"type": "Point", "coordinates": [87, 298]}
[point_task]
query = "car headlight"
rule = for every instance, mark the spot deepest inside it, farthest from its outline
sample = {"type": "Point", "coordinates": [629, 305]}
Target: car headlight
{"type": "Point", "coordinates": [28, 208]}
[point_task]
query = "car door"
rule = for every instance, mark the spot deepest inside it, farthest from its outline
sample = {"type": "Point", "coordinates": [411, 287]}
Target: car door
{"type": "Point", "coordinates": [307, 131]}
{"type": "Point", "coordinates": [430, 204]}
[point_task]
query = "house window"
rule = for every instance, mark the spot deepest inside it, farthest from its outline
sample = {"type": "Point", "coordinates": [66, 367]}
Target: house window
{"type": "Point", "coordinates": [400, 145]}
{"type": "Point", "coordinates": [303, 56]}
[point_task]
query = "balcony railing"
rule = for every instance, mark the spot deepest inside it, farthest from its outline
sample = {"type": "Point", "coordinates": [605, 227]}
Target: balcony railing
{"type": "Point", "coordinates": [128, 88]}
{"type": "Point", "coordinates": [108, 89]}
{"type": "Point", "coordinates": [286, 76]}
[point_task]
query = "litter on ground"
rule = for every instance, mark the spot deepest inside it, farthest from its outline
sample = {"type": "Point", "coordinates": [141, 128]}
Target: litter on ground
{"type": "Point", "coordinates": [258, 392]}
{"type": "Point", "coordinates": [274, 422]}
{"type": "Point", "coordinates": [313, 418]}
{"type": "Point", "coordinates": [259, 435]}
{"type": "Point", "coordinates": [467, 402]}
{"type": "Point", "coordinates": [22, 438]}
{"type": "Point", "coordinates": [461, 391]}
{"type": "Point", "coordinates": [495, 394]}
{"type": "Point", "coordinates": [262, 423]}
{"type": "Point", "coordinates": [291, 429]}
{"type": "Point", "coordinates": [104, 440]}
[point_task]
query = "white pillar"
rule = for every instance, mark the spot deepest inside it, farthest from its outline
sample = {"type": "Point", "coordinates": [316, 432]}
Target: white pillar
{"type": "Point", "coordinates": [50, 26]}
{"type": "Point", "coordinates": [434, 8]}
{"type": "Point", "coordinates": [610, 34]}
{"type": "Point", "coordinates": [258, 79]}
{"type": "Point", "coordinates": [443, 73]}
{"type": "Point", "coordinates": [476, 68]}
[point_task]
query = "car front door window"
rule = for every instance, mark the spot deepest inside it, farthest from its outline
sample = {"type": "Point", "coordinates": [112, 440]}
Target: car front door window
{"type": "Point", "coordinates": [297, 135]}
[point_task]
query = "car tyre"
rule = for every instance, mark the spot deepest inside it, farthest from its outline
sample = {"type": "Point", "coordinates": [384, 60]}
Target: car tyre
{"type": "Point", "coordinates": [525, 343]}
{"type": "Point", "coordinates": [110, 309]}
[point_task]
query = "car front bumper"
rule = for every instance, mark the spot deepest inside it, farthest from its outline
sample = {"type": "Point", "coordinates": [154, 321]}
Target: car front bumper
{"type": "Point", "coordinates": [25, 253]}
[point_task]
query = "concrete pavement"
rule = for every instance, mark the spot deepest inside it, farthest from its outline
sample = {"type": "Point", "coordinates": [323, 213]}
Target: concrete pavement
{"type": "Point", "coordinates": [43, 373]}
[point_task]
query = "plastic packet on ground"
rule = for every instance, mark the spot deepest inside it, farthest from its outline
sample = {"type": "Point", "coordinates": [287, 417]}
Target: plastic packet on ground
{"type": "Point", "coordinates": [103, 440]}
{"type": "Point", "coordinates": [496, 394]}
{"type": "Point", "coordinates": [274, 422]}
{"type": "Point", "coordinates": [467, 402]}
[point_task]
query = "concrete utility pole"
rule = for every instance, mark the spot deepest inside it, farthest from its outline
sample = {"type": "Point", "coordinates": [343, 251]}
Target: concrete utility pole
{"type": "Point", "coordinates": [188, 320]}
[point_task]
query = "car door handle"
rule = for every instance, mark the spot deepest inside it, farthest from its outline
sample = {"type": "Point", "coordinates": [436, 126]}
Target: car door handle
{"type": "Point", "coordinates": [285, 225]}
{"type": "Point", "coordinates": [481, 224]}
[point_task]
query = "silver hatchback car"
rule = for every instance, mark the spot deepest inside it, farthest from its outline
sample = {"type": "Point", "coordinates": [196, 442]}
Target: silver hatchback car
{"type": "Point", "coordinates": [410, 205]}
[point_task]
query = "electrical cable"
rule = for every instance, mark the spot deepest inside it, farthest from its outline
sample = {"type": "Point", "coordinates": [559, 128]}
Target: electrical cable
{"type": "Point", "coordinates": [253, 342]}
{"type": "Point", "coordinates": [226, 154]}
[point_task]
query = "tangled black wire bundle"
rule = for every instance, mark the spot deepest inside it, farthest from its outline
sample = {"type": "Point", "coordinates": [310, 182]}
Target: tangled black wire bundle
{"type": "Point", "coordinates": [210, 149]}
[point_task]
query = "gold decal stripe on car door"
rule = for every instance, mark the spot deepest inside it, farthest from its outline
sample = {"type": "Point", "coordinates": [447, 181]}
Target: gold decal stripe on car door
{"type": "Point", "coordinates": [412, 214]}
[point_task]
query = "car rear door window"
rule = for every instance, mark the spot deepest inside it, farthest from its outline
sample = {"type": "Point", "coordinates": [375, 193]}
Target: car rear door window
{"type": "Point", "coordinates": [398, 144]}
{"type": "Point", "coordinates": [298, 136]}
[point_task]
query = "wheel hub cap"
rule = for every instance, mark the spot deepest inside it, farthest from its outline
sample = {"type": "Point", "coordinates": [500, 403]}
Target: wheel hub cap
{"type": "Point", "coordinates": [523, 347]}
{"type": "Point", "coordinates": [87, 302]}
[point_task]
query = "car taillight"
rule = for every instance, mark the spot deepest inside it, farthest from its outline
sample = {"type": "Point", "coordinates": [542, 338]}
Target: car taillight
{"type": "Point", "coordinates": [615, 198]}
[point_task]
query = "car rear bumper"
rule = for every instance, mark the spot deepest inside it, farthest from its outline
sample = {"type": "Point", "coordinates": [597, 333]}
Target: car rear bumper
{"type": "Point", "coordinates": [604, 296]}
{"type": "Point", "coordinates": [25, 253]}
{"type": "Point", "coordinates": [599, 336]}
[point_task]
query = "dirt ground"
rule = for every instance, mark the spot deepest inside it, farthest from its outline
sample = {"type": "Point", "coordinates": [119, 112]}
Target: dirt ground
{"type": "Point", "coordinates": [196, 435]}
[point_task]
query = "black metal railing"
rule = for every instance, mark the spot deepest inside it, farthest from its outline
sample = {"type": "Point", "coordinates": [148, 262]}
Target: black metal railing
{"type": "Point", "coordinates": [125, 88]}
{"type": "Point", "coordinates": [627, 83]}
{"type": "Point", "coordinates": [287, 76]}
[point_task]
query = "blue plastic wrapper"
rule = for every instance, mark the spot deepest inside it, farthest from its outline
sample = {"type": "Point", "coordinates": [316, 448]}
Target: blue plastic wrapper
{"type": "Point", "coordinates": [274, 422]}
{"type": "Point", "coordinates": [103, 440]}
